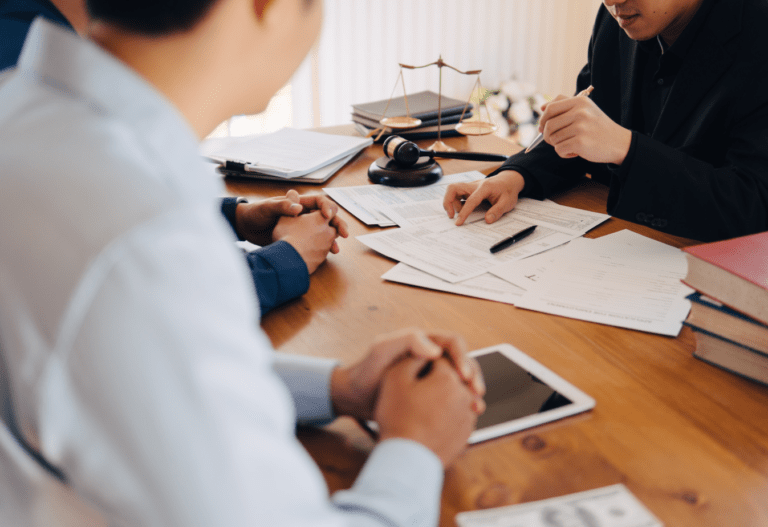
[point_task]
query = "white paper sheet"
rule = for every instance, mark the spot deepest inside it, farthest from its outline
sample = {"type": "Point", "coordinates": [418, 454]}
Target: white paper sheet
{"type": "Point", "coordinates": [623, 280]}
{"type": "Point", "coordinates": [526, 272]}
{"type": "Point", "coordinates": [613, 506]}
{"type": "Point", "coordinates": [485, 286]}
{"type": "Point", "coordinates": [287, 153]}
{"type": "Point", "coordinates": [371, 203]}
{"type": "Point", "coordinates": [455, 254]}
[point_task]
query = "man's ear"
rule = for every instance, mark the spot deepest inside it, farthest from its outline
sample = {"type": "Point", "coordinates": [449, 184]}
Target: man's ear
{"type": "Point", "coordinates": [259, 6]}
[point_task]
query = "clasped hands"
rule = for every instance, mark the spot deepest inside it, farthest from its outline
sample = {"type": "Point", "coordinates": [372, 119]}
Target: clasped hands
{"type": "Point", "coordinates": [438, 410]}
{"type": "Point", "coordinates": [309, 223]}
{"type": "Point", "coordinates": [575, 127]}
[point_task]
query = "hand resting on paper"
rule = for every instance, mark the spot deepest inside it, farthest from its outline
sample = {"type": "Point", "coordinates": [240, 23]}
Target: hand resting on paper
{"type": "Point", "coordinates": [501, 191]}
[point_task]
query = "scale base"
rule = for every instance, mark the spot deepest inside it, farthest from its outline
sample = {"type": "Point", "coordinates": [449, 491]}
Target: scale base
{"type": "Point", "coordinates": [439, 146]}
{"type": "Point", "coordinates": [385, 171]}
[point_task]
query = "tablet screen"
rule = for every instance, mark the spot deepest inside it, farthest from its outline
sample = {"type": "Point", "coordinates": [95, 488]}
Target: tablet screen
{"type": "Point", "coordinates": [512, 392]}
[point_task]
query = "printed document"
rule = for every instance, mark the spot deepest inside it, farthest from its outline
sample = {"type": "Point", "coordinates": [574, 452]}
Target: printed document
{"type": "Point", "coordinates": [455, 254]}
{"type": "Point", "coordinates": [613, 506]}
{"type": "Point", "coordinates": [287, 153]}
{"type": "Point", "coordinates": [526, 272]}
{"type": "Point", "coordinates": [485, 286]}
{"type": "Point", "coordinates": [624, 280]}
{"type": "Point", "coordinates": [371, 204]}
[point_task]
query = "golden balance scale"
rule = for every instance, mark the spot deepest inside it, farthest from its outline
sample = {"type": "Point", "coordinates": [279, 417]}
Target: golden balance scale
{"type": "Point", "coordinates": [406, 165]}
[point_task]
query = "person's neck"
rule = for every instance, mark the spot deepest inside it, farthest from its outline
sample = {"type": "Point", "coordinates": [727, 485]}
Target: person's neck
{"type": "Point", "coordinates": [75, 13]}
{"type": "Point", "coordinates": [676, 28]}
{"type": "Point", "coordinates": [190, 68]}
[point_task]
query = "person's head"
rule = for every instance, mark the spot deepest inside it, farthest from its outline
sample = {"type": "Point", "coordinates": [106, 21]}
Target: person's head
{"type": "Point", "coordinates": [644, 19]}
{"type": "Point", "coordinates": [212, 58]}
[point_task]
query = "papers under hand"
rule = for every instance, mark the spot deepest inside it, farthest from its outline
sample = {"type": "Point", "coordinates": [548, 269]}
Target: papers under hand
{"type": "Point", "coordinates": [455, 254]}
{"type": "Point", "coordinates": [613, 506]}
{"type": "Point", "coordinates": [387, 206]}
{"type": "Point", "coordinates": [287, 153]}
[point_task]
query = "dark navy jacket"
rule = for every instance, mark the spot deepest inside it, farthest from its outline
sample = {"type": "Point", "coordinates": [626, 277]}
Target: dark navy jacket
{"type": "Point", "coordinates": [702, 170]}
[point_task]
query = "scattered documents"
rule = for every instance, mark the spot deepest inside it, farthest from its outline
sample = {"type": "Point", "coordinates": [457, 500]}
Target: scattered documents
{"type": "Point", "coordinates": [373, 204]}
{"type": "Point", "coordinates": [613, 506]}
{"type": "Point", "coordinates": [623, 279]}
{"type": "Point", "coordinates": [287, 153]}
{"type": "Point", "coordinates": [455, 254]}
{"type": "Point", "coordinates": [485, 286]}
{"type": "Point", "coordinates": [526, 272]}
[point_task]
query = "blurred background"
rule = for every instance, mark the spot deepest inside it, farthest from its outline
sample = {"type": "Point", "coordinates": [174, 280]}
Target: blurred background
{"type": "Point", "coordinates": [527, 49]}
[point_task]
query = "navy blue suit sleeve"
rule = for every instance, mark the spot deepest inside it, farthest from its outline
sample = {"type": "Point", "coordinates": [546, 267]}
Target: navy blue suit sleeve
{"type": "Point", "coordinates": [279, 274]}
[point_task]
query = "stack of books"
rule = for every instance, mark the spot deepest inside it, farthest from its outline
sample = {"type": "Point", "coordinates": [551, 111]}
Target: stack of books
{"type": "Point", "coordinates": [422, 105]}
{"type": "Point", "coordinates": [729, 311]}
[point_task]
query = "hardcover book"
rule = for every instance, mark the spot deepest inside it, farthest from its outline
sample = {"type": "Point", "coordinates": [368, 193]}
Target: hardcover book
{"type": "Point", "coordinates": [731, 356]}
{"type": "Point", "coordinates": [734, 272]}
{"type": "Point", "coordinates": [712, 316]}
{"type": "Point", "coordinates": [422, 105]}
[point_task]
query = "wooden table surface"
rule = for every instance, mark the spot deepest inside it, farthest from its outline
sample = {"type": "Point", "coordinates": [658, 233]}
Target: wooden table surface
{"type": "Point", "coordinates": [688, 439]}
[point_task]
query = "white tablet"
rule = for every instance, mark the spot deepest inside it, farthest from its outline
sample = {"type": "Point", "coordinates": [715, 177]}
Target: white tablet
{"type": "Point", "coordinates": [521, 393]}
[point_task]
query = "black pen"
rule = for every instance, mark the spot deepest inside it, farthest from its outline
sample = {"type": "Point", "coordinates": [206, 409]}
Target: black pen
{"type": "Point", "coordinates": [503, 244]}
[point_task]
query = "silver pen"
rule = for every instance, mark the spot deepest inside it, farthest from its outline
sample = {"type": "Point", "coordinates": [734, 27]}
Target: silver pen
{"type": "Point", "coordinates": [540, 137]}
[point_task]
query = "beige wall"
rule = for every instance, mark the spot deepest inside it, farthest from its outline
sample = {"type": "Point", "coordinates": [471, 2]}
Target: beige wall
{"type": "Point", "coordinates": [542, 41]}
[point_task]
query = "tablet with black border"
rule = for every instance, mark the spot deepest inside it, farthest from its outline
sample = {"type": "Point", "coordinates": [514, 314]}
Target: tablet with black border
{"type": "Point", "coordinates": [522, 393]}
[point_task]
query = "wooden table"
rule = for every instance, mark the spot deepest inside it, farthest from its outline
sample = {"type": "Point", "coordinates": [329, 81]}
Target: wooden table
{"type": "Point", "coordinates": [688, 439]}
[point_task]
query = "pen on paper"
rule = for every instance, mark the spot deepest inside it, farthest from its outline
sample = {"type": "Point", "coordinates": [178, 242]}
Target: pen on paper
{"type": "Point", "coordinates": [540, 137]}
{"type": "Point", "coordinates": [506, 242]}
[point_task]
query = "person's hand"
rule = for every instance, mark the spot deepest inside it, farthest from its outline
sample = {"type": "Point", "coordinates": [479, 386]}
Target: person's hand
{"type": "Point", "coordinates": [435, 410]}
{"type": "Point", "coordinates": [355, 389]}
{"type": "Point", "coordinates": [576, 127]}
{"type": "Point", "coordinates": [310, 234]}
{"type": "Point", "coordinates": [500, 190]}
{"type": "Point", "coordinates": [256, 221]}
{"type": "Point", "coordinates": [329, 209]}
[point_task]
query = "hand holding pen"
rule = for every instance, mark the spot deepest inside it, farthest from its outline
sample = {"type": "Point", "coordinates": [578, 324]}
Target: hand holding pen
{"type": "Point", "coordinates": [577, 127]}
{"type": "Point", "coordinates": [540, 137]}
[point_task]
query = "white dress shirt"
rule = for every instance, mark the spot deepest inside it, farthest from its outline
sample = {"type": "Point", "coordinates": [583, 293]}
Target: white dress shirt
{"type": "Point", "coordinates": [130, 326]}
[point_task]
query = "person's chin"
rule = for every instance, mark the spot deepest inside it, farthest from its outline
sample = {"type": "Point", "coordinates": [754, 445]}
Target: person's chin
{"type": "Point", "coordinates": [635, 28]}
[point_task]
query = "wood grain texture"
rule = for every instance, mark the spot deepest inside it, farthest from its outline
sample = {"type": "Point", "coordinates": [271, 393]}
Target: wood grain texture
{"type": "Point", "coordinates": [688, 439]}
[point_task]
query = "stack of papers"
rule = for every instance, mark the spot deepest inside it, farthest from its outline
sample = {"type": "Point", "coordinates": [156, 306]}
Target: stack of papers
{"type": "Point", "coordinates": [285, 154]}
{"type": "Point", "coordinates": [456, 254]}
{"type": "Point", "coordinates": [622, 279]}
{"type": "Point", "coordinates": [444, 257]}
{"type": "Point", "coordinates": [383, 206]}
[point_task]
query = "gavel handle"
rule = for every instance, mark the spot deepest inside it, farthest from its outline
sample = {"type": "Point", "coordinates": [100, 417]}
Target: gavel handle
{"type": "Point", "coordinates": [472, 156]}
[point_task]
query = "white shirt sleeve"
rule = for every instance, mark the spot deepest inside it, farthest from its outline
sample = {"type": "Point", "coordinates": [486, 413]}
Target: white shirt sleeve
{"type": "Point", "coordinates": [160, 403]}
{"type": "Point", "coordinates": [309, 381]}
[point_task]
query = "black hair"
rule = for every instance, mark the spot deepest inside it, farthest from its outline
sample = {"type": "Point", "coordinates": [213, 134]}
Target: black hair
{"type": "Point", "coordinates": [150, 17]}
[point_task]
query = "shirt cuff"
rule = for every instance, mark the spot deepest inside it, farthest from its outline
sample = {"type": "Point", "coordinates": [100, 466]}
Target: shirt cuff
{"type": "Point", "coordinates": [532, 188]}
{"type": "Point", "coordinates": [228, 207]}
{"type": "Point", "coordinates": [290, 271]}
{"type": "Point", "coordinates": [309, 381]}
{"type": "Point", "coordinates": [401, 482]}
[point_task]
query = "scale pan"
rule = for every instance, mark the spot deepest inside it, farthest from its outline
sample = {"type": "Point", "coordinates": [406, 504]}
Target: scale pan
{"type": "Point", "coordinates": [400, 122]}
{"type": "Point", "coordinates": [476, 128]}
